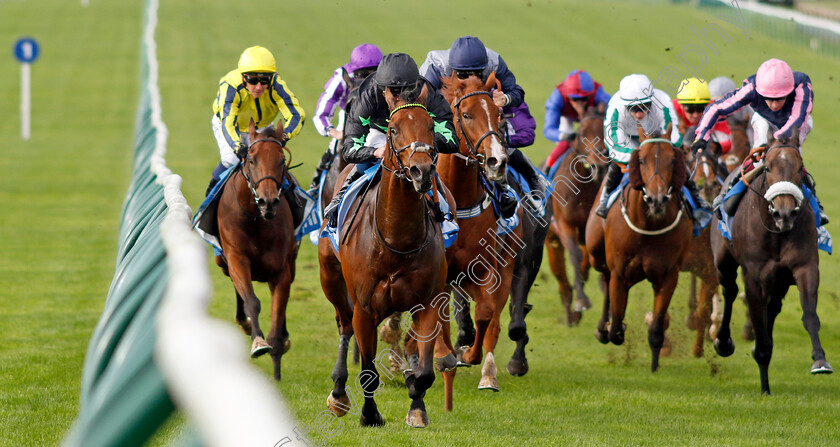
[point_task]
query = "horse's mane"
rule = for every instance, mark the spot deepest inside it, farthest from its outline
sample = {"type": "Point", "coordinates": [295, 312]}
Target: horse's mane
{"type": "Point", "coordinates": [271, 132]}
{"type": "Point", "coordinates": [679, 174]}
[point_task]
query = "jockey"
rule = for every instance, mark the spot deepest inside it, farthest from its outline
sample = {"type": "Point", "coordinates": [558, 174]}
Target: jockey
{"type": "Point", "coordinates": [468, 56]}
{"type": "Point", "coordinates": [782, 100]}
{"type": "Point", "coordinates": [566, 105]}
{"type": "Point", "coordinates": [364, 141]}
{"type": "Point", "coordinates": [251, 91]}
{"type": "Point", "coordinates": [691, 100]}
{"type": "Point", "coordinates": [338, 90]}
{"type": "Point", "coordinates": [637, 104]}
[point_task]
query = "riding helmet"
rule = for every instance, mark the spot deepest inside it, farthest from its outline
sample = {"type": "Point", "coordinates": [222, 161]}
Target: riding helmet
{"type": "Point", "coordinates": [694, 91]}
{"type": "Point", "coordinates": [397, 70]}
{"type": "Point", "coordinates": [774, 79]}
{"type": "Point", "coordinates": [468, 53]}
{"type": "Point", "coordinates": [257, 59]}
{"type": "Point", "coordinates": [364, 56]}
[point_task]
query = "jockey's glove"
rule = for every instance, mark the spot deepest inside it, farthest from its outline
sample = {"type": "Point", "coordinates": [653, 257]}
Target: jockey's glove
{"type": "Point", "coordinates": [699, 145]}
{"type": "Point", "coordinates": [242, 151]}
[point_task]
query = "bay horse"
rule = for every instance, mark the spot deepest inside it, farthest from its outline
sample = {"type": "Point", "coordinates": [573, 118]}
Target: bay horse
{"type": "Point", "coordinates": [645, 236]}
{"type": "Point", "coordinates": [774, 241]}
{"type": "Point", "coordinates": [706, 173]}
{"type": "Point", "coordinates": [257, 238]}
{"type": "Point", "coordinates": [391, 260]}
{"type": "Point", "coordinates": [576, 189]}
{"type": "Point", "coordinates": [480, 262]}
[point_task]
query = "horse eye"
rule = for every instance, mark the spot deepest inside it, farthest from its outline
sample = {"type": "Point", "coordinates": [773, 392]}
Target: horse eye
{"type": "Point", "coordinates": [465, 116]}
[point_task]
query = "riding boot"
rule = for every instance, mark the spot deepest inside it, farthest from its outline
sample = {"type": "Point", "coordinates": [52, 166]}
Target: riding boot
{"type": "Point", "coordinates": [536, 181]}
{"type": "Point", "coordinates": [331, 210]}
{"type": "Point", "coordinates": [698, 200]}
{"type": "Point", "coordinates": [323, 165]}
{"type": "Point", "coordinates": [507, 201]}
{"type": "Point", "coordinates": [809, 182]}
{"type": "Point", "coordinates": [215, 178]}
{"type": "Point", "coordinates": [613, 178]}
{"type": "Point", "coordinates": [296, 204]}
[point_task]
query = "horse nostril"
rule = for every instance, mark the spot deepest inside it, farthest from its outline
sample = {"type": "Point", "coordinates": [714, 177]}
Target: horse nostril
{"type": "Point", "coordinates": [261, 203]}
{"type": "Point", "coordinates": [492, 162]}
{"type": "Point", "coordinates": [415, 172]}
{"type": "Point", "coordinates": [275, 202]}
{"type": "Point", "coordinates": [776, 215]}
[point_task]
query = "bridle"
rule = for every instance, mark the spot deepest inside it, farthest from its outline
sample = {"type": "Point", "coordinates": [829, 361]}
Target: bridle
{"type": "Point", "coordinates": [402, 171]}
{"type": "Point", "coordinates": [623, 205]}
{"type": "Point", "coordinates": [779, 188]}
{"type": "Point", "coordinates": [656, 172]}
{"type": "Point", "coordinates": [246, 171]}
{"type": "Point", "coordinates": [475, 158]}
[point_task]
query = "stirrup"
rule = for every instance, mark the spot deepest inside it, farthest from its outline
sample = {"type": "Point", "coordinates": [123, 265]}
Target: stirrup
{"type": "Point", "coordinates": [602, 210]}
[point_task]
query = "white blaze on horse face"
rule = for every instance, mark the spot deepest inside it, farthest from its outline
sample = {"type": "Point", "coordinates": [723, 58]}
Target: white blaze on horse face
{"type": "Point", "coordinates": [706, 171]}
{"type": "Point", "coordinates": [496, 148]}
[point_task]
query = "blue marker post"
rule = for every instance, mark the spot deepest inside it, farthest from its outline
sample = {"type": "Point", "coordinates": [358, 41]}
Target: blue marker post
{"type": "Point", "coordinates": [26, 51]}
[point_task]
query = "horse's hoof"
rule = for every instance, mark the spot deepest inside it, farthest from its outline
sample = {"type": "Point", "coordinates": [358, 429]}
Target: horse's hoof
{"type": "Point", "coordinates": [488, 383]}
{"type": "Point", "coordinates": [602, 336]}
{"type": "Point", "coordinates": [821, 367]}
{"type": "Point", "coordinates": [517, 368]}
{"type": "Point", "coordinates": [287, 344]}
{"type": "Point", "coordinates": [374, 421]}
{"type": "Point", "coordinates": [338, 406]}
{"type": "Point", "coordinates": [582, 304]}
{"type": "Point", "coordinates": [245, 325]}
{"type": "Point", "coordinates": [617, 337]}
{"type": "Point", "coordinates": [446, 363]}
{"type": "Point", "coordinates": [461, 352]}
{"type": "Point", "coordinates": [465, 338]}
{"type": "Point", "coordinates": [724, 348]}
{"type": "Point", "coordinates": [417, 418]}
{"type": "Point", "coordinates": [665, 350]}
{"type": "Point", "coordinates": [259, 347]}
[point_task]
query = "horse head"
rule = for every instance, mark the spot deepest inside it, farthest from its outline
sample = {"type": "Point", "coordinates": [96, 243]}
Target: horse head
{"type": "Point", "coordinates": [477, 122]}
{"type": "Point", "coordinates": [783, 173]}
{"type": "Point", "coordinates": [266, 160]}
{"type": "Point", "coordinates": [411, 146]}
{"type": "Point", "coordinates": [657, 169]}
{"type": "Point", "coordinates": [589, 141]}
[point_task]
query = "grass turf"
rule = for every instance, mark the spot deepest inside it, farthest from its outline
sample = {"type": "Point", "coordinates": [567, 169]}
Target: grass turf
{"type": "Point", "coordinates": [62, 192]}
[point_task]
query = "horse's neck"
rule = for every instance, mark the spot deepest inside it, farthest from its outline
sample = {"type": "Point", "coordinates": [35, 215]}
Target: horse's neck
{"type": "Point", "coordinates": [243, 195]}
{"type": "Point", "coordinates": [461, 179]}
{"type": "Point", "coordinates": [400, 212]}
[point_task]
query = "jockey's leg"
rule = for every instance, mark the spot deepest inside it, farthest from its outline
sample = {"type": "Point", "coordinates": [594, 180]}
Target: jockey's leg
{"type": "Point", "coordinates": [323, 165]}
{"type": "Point", "coordinates": [611, 181]}
{"type": "Point", "coordinates": [808, 181]}
{"type": "Point", "coordinates": [296, 205]}
{"type": "Point", "coordinates": [331, 210]}
{"type": "Point", "coordinates": [215, 178]}
{"type": "Point", "coordinates": [517, 160]}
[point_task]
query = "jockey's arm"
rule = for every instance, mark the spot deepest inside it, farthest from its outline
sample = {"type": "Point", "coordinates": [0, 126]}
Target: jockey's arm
{"type": "Point", "coordinates": [802, 104]}
{"type": "Point", "coordinates": [333, 96]}
{"type": "Point", "coordinates": [553, 108]}
{"type": "Point", "coordinates": [293, 114]}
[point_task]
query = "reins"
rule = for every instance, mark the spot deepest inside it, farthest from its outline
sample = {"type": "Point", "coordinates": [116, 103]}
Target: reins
{"type": "Point", "coordinates": [476, 158]}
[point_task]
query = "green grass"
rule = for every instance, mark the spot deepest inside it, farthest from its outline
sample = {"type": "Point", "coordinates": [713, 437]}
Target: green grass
{"type": "Point", "coordinates": [61, 196]}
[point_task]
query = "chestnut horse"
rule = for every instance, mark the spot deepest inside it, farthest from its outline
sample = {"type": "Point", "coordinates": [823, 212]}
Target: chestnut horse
{"type": "Point", "coordinates": [774, 241]}
{"type": "Point", "coordinates": [257, 238]}
{"type": "Point", "coordinates": [645, 236]}
{"type": "Point", "coordinates": [394, 258]}
{"type": "Point", "coordinates": [575, 190]}
{"type": "Point", "coordinates": [480, 262]}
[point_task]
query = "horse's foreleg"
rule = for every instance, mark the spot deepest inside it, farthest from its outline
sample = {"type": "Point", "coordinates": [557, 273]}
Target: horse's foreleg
{"type": "Point", "coordinates": [807, 280]}
{"type": "Point", "coordinates": [557, 262]}
{"type": "Point", "coordinates": [240, 275]}
{"type": "Point", "coordinates": [484, 309]}
{"type": "Point", "coordinates": [364, 327]}
{"type": "Point", "coordinates": [601, 332]}
{"type": "Point", "coordinates": [618, 305]}
{"type": "Point", "coordinates": [423, 376]}
{"type": "Point", "coordinates": [708, 287]}
{"type": "Point", "coordinates": [663, 291]}
{"type": "Point", "coordinates": [691, 318]}
{"type": "Point", "coordinates": [466, 328]}
{"type": "Point", "coordinates": [242, 319]}
{"type": "Point", "coordinates": [727, 274]}
{"type": "Point", "coordinates": [759, 313]}
{"type": "Point", "coordinates": [571, 243]}
{"type": "Point", "coordinates": [277, 335]}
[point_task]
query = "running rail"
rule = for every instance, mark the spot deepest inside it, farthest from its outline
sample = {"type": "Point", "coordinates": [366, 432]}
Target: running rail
{"type": "Point", "coordinates": [155, 346]}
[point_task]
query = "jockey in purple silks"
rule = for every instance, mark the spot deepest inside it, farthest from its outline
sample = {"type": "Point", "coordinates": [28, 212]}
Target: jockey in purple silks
{"type": "Point", "coordinates": [339, 92]}
{"type": "Point", "coordinates": [782, 101]}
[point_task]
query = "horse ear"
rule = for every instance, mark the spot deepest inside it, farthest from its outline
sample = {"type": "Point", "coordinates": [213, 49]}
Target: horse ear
{"type": "Point", "coordinates": [641, 131]}
{"type": "Point", "coordinates": [390, 99]}
{"type": "Point", "coordinates": [424, 94]}
{"type": "Point", "coordinates": [492, 82]}
{"type": "Point", "coordinates": [668, 130]}
{"type": "Point", "coordinates": [794, 136]}
{"type": "Point", "coordinates": [679, 174]}
{"type": "Point", "coordinates": [770, 137]}
{"type": "Point", "coordinates": [634, 173]}
{"type": "Point", "coordinates": [252, 129]}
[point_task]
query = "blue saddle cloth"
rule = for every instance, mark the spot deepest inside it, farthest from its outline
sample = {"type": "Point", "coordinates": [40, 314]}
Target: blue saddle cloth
{"type": "Point", "coordinates": [701, 217]}
{"type": "Point", "coordinates": [206, 224]}
{"type": "Point", "coordinates": [448, 227]}
{"type": "Point", "coordinates": [824, 241]}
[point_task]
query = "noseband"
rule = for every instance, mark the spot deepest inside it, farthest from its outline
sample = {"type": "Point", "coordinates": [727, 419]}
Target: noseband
{"type": "Point", "coordinates": [779, 188]}
{"type": "Point", "coordinates": [402, 171]}
{"type": "Point", "coordinates": [477, 158]}
{"type": "Point", "coordinates": [656, 171]}
{"type": "Point", "coordinates": [252, 185]}
{"type": "Point", "coordinates": [645, 196]}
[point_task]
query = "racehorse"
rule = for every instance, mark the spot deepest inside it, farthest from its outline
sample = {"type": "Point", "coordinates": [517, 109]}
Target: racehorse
{"type": "Point", "coordinates": [390, 258]}
{"type": "Point", "coordinates": [699, 262]}
{"type": "Point", "coordinates": [644, 237]}
{"type": "Point", "coordinates": [257, 238]}
{"type": "Point", "coordinates": [576, 189]}
{"type": "Point", "coordinates": [740, 142]}
{"type": "Point", "coordinates": [774, 241]}
{"type": "Point", "coordinates": [480, 262]}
